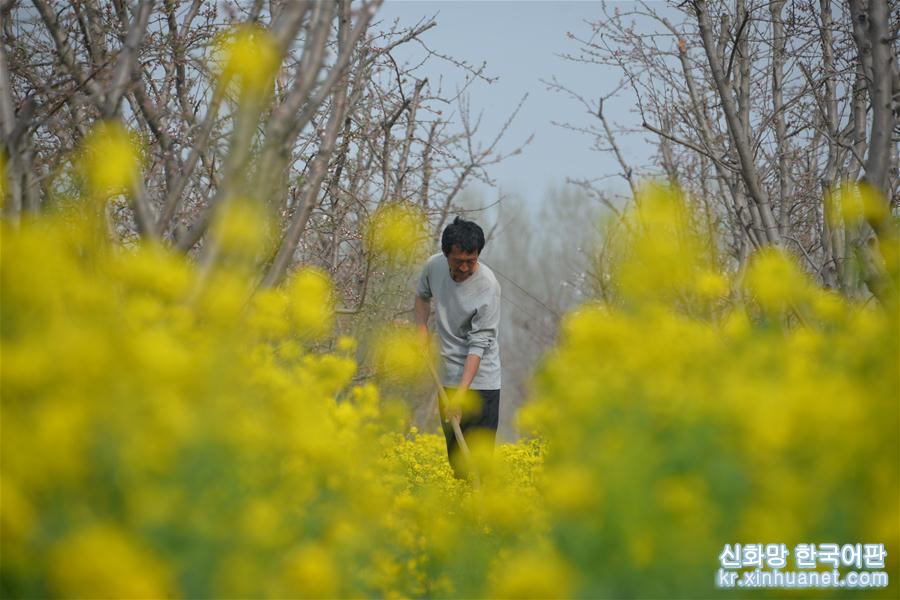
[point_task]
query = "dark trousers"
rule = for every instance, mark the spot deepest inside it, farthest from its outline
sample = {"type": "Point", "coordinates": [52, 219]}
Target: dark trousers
{"type": "Point", "coordinates": [484, 422]}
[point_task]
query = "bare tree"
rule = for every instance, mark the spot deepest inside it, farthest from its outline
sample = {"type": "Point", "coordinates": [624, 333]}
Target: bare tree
{"type": "Point", "coordinates": [341, 129]}
{"type": "Point", "coordinates": [757, 109]}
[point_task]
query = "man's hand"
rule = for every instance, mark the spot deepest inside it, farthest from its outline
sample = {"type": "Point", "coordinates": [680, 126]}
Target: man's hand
{"type": "Point", "coordinates": [473, 361]}
{"type": "Point", "coordinates": [454, 409]}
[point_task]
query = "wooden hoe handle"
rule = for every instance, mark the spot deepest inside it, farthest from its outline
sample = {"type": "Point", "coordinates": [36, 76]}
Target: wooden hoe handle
{"type": "Point", "coordinates": [454, 422]}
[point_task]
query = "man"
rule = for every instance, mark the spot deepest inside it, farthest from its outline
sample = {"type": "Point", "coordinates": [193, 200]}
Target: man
{"type": "Point", "coordinates": [467, 317]}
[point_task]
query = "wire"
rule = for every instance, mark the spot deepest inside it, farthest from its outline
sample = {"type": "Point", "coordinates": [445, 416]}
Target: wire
{"type": "Point", "coordinates": [520, 307]}
{"type": "Point", "coordinates": [526, 292]}
{"type": "Point", "coordinates": [541, 338]}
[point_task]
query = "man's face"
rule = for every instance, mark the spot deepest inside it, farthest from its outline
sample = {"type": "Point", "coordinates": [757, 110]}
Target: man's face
{"type": "Point", "coordinates": [462, 264]}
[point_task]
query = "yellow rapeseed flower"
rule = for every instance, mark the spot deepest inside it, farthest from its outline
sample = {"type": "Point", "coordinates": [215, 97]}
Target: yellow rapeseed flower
{"type": "Point", "coordinates": [827, 305]}
{"type": "Point", "coordinates": [658, 259]}
{"type": "Point", "coordinates": [262, 522]}
{"type": "Point", "coordinates": [346, 344]}
{"type": "Point", "coordinates": [250, 55]}
{"type": "Point", "coordinates": [154, 269]}
{"type": "Point", "coordinates": [398, 231]}
{"type": "Point", "coordinates": [213, 436]}
{"type": "Point", "coordinates": [852, 202]}
{"type": "Point", "coordinates": [17, 518]}
{"type": "Point", "coordinates": [711, 285]}
{"type": "Point", "coordinates": [399, 355]}
{"type": "Point", "coordinates": [309, 572]}
{"type": "Point", "coordinates": [110, 159]}
{"type": "Point", "coordinates": [216, 420]}
{"type": "Point", "coordinates": [242, 227]}
{"type": "Point", "coordinates": [573, 491]}
{"type": "Point", "coordinates": [311, 303]}
{"type": "Point", "coordinates": [102, 561]}
{"type": "Point", "coordinates": [268, 313]}
{"type": "Point", "coordinates": [366, 398]}
{"type": "Point", "coordinates": [223, 300]}
{"type": "Point", "coordinates": [776, 280]}
{"type": "Point", "coordinates": [534, 574]}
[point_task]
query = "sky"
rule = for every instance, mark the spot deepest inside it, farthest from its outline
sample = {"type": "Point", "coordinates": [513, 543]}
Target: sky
{"type": "Point", "coordinates": [521, 42]}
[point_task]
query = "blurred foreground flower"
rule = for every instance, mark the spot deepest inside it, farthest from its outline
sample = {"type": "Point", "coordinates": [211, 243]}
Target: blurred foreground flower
{"type": "Point", "coordinates": [110, 159]}
{"type": "Point", "coordinates": [153, 447]}
{"type": "Point", "coordinates": [242, 227]}
{"type": "Point", "coordinates": [399, 355]}
{"type": "Point", "coordinates": [660, 257]}
{"type": "Point", "coordinates": [250, 56]}
{"type": "Point", "coordinates": [671, 426]}
{"type": "Point", "coordinates": [101, 561]}
{"type": "Point", "coordinates": [853, 203]}
{"type": "Point", "coordinates": [536, 573]}
{"type": "Point", "coordinates": [312, 302]}
{"type": "Point", "coordinates": [398, 232]}
{"type": "Point", "coordinates": [776, 280]}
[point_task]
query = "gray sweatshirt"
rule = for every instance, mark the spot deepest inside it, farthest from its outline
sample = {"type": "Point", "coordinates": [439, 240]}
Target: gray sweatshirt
{"type": "Point", "coordinates": [467, 318]}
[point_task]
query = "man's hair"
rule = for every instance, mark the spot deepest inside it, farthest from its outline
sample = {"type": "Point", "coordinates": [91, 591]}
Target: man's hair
{"type": "Point", "coordinates": [465, 234]}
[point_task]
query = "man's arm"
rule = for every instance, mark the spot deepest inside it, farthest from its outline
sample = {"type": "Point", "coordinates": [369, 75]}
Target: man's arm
{"type": "Point", "coordinates": [423, 308]}
{"type": "Point", "coordinates": [473, 361]}
{"type": "Point", "coordinates": [423, 303]}
{"type": "Point", "coordinates": [482, 336]}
